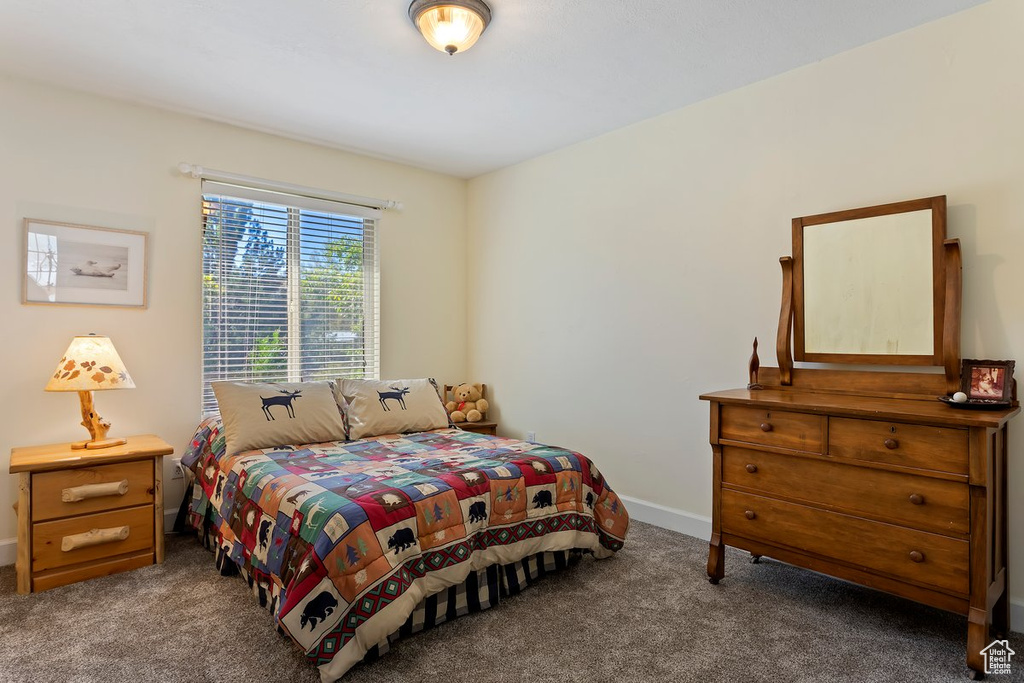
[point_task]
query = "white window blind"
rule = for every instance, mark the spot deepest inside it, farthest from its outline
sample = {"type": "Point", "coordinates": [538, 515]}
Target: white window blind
{"type": "Point", "coordinates": [290, 288]}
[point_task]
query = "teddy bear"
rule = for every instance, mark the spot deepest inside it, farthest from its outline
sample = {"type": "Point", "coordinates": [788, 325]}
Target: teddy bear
{"type": "Point", "coordinates": [469, 404]}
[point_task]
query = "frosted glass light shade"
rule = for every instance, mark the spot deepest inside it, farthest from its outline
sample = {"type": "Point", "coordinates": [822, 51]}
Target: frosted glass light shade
{"type": "Point", "coordinates": [90, 363]}
{"type": "Point", "coordinates": [450, 25]}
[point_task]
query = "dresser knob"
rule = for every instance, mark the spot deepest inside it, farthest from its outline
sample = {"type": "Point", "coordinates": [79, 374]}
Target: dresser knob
{"type": "Point", "coordinates": [750, 514]}
{"type": "Point", "coordinates": [916, 556]}
{"type": "Point", "coordinates": [917, 499]}
{"type": "Point", "coordinates": [765, 427]}
{"type": "Point", "coordinates": [752, 468]}
{"type": "Point", "coordinates": [891, 444]}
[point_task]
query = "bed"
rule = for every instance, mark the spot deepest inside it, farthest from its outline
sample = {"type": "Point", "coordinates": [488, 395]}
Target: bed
{"type": "Point", "coordinates": [352, 544]}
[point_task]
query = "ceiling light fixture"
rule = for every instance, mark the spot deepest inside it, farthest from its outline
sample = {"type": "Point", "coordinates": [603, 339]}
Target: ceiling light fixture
{"type": "Point", "coordinates": [450, 25]}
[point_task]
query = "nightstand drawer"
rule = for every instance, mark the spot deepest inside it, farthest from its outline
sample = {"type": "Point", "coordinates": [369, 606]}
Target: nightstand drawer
{"type": "Point", "coordinates": [479, 427]}
{"type": "Point", "coordinates": [798, 431]}
{"type": "Point", "coordinates": [91, 489]}
{"type": "Point", "coordinates": [943, 449]}
{"type": "Point", "coordinates": [69, 541]}
{"type": "Point", "coordinates": [914, 556]}
{"type": "Point", "coordinates": [920, 502]}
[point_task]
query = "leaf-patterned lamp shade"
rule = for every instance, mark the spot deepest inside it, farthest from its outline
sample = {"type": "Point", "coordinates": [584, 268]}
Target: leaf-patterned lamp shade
{"type": "Point", "coordinates": [91, 363]}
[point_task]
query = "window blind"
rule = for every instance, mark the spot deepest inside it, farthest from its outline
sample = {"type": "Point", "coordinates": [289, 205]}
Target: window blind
{"type": "Point", "coordinates": [290, 288]}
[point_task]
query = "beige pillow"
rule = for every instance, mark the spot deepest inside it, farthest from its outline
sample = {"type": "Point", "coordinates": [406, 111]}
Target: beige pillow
{"type": "Point", "coordinates": [278, 414]}
{"type": "Point", "coordinates": [391, 406]}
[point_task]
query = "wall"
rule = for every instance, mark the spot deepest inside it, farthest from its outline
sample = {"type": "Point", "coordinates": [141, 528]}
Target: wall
{"type": "Point", "coordinates": [616, 280]}
{"type": "Point", "coordinates": [83, 159]}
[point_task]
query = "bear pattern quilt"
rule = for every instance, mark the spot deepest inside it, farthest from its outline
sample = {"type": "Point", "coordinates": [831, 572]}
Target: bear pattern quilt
{"type": "Point", "coordinates": [346, 538]}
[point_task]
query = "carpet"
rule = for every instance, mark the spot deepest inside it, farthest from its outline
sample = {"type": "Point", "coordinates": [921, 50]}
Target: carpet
{"type": "Point", "coordinates": [648, 614]}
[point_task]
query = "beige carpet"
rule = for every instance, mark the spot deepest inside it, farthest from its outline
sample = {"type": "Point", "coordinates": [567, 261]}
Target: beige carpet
{"type": "Point", "coordinates": [648, 614]}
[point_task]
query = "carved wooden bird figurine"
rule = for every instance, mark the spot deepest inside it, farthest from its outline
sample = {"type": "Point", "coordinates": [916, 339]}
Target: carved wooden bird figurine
{"type": "Point", "coordinates": [755, 365]}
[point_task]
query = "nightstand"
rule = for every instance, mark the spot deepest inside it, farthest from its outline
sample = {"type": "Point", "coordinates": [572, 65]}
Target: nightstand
{"type": "Point", "coordinates": [482, 427]}
{"type": "Point", "coordinates": [84, 514]}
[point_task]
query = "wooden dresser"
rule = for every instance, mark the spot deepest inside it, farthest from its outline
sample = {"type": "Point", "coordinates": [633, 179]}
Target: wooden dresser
{"type": "Point", "coordinates": [84, 514]}
{"type": "Point", "coordinates": [906, 496]}
{"type": "Point", "coordinates": [864, 474]}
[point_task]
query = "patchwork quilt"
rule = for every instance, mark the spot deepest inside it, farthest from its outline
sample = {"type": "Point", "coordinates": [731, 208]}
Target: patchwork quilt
{"type": "Point", "coordinates": [344, 539]}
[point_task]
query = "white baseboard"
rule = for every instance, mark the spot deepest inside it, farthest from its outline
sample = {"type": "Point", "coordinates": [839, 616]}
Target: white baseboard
{"type": "Point", "coordinates": [673, 519]}
{"type": "Point", "coordinates": [699, 526]}
{"type": "Point", "coordinates": [9, 546]}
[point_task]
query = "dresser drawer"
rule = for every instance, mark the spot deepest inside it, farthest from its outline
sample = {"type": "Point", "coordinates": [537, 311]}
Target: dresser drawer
{"type": "Point", "coordinates": [943, 449]}
{"type": "Point", "coordinates": [798, 431]}
{"type": "Point", "coordinates": [91, 489]}
{"type": "Point", "coordinates": [907, 554]}
{"type": "Point", "coordinates": [49, 538]}
{"type": "Point", "coordinates": [921, 502]}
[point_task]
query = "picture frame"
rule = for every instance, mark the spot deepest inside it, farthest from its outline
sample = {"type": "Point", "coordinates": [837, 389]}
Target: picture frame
{"type": "Point", "coordinates": [83, 265]}
{"type": "Point", "coordinates": [988, 380]}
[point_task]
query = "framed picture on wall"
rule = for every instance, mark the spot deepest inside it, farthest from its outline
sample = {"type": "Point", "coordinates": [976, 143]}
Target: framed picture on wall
{"type": "Point", "coordinates": [83, 265]}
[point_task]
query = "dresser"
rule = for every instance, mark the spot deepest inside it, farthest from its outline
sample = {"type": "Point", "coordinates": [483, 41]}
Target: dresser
{"type": "Point", "coordinates": [863, 474]}
{"type": "Point", "coordinates": [906, 496]}
{"type": "Point", "coordinates": [84, 514]}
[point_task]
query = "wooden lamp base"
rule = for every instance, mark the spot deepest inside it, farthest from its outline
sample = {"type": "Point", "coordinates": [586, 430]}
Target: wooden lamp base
{"type": "Point", "coordinates": [97, 426]}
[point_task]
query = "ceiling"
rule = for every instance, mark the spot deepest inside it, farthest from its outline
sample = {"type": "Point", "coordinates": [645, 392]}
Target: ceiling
{"type": "Point", "coordinates": [355, 74]}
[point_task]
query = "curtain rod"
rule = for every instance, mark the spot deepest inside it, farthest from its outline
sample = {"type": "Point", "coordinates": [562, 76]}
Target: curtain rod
{"type": "Point", "coordinates": [196, 171]}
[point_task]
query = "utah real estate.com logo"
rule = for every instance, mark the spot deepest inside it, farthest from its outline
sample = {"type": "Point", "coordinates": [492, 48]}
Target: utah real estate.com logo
{"type": "Point", "coordinates": [997, 657]}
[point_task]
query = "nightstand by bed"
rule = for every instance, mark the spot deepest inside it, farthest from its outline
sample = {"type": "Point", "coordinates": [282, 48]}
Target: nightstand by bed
{"type": "Point", "coordinates": [482, 427]}
{"type": "Point", "coordinates": [84, 514]}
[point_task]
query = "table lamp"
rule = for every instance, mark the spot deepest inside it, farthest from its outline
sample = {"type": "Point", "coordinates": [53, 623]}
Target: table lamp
{"type": "Point", "coordinates": [91, 363]}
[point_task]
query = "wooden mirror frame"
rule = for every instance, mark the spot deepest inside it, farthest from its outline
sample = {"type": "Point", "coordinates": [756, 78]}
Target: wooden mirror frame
{"type": "Point", "coordinates": [937, 205]}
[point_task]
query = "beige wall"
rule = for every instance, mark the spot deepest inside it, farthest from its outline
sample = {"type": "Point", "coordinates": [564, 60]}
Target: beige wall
{"type": "Point", "coordinates": [614, 281]}
{"type": "Point", "coordinates": [83, 159]}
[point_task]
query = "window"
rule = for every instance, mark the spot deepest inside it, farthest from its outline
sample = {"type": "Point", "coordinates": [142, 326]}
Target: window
{"type": "Point", "coordinates": [290, 288]}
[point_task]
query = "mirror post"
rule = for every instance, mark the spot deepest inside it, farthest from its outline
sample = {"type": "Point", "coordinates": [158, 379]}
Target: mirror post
{"type": "Point", "coordinates": [783, 350]}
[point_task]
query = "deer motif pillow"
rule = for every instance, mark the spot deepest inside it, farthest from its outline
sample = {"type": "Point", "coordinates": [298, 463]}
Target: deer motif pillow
{"type": "Point", "coordinates": [278, 414]}
{"type": "Point", "coordinates": [394, 406]}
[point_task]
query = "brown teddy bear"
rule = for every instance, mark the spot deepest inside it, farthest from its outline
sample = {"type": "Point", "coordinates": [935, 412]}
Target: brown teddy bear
{"type": "Point", "coordinates": [469, 404]}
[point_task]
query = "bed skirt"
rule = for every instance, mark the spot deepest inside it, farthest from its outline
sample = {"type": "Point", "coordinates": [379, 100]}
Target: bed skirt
{"type": "Point", "coordinates": [480, 591]}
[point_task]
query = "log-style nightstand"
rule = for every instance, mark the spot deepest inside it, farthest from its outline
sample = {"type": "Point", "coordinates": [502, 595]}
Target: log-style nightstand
{"type": "Point", "coordinates": [482, 427]}
{"type": "Point", "coordinates": [84, 514]}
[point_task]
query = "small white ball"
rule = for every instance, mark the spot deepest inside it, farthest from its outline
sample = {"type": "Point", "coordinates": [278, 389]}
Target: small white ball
{"type": "Point", "coordinates": [960, 397]}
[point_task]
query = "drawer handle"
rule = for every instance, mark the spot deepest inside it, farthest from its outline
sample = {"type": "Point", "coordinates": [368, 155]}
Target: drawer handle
{"type": "Point", "coordinates": [76, 494]}
{"type": "Point", "coordinates": [765, 427]}
{"type": "Point", "coordinates": [93, 537]}
{"type": "Point", "coordinates": [916, 556]}
{"type": "Point", "coordinates": [917, 499]}
{"type": "Point", "coordinates": [752, 468]}
{"type": "Point", "coordinates": [750, 514]}
{"type": "Point", "coordinates": [891, 444]}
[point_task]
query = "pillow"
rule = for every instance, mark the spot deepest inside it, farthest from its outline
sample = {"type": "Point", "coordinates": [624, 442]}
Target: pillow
{"type": "Point", "coordinates": [395, 406]}
{"type": "Point", "coordinates": [278, 414]}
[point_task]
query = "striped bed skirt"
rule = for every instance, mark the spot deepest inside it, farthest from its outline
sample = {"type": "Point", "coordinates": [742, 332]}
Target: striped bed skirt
{"type": "Point", "coordinates": [480, 591]}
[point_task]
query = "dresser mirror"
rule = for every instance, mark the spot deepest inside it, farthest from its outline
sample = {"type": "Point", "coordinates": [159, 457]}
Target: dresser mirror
{"type": "Point", "coordinates": [869, 284]}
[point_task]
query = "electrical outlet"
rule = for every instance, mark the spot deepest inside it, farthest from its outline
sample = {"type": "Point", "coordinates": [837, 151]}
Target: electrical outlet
{"type": "Point", "coordinates": [531, 437]}
{"type": "Point", "coordinates": [177, 472]}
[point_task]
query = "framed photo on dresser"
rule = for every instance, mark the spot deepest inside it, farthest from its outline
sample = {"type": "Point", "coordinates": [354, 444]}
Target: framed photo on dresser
{"type": "Point", "coordinates": [990, 380]}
